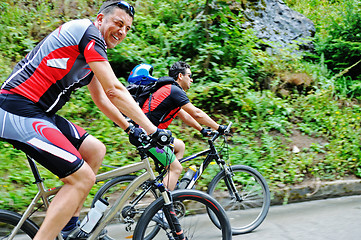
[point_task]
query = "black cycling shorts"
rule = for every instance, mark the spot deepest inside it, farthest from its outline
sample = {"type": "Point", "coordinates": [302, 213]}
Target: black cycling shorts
{"type": "Point", "coordinates": [51, 140]}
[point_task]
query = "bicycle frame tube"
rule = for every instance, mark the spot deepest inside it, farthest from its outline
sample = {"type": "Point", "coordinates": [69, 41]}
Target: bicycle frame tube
{"type": "Point", "coordinates": [211, 155]}
{"type": "Point", "coordinates": [201, 169]}
{"type": "Point", "coordinates": [186, 159]}
{"type": "Point", "coordinates": [44, 194]}
{"type": "Point", "coordinates": [109, 214]}
{"type": "Point", "coordinates": [122, 171]}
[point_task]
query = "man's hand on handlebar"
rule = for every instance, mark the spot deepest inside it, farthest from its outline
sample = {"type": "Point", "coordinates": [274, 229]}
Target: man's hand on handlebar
{"type": "Point", "coordinates": [206, 132]}
{"type": "Point", "coordinates": [222, 129]}
{"type": "Point", "coordinates": [161, 137]}
{"type": "Point", "coordinates": [138, 137]}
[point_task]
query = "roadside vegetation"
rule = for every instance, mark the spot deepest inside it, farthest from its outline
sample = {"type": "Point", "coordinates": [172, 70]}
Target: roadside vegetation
{"type": "Point", "coordinates": [290, 132]}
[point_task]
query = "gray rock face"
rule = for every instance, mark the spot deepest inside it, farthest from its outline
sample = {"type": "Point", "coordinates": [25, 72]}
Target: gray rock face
{"type": "Point", "coordinates": [274, 21]}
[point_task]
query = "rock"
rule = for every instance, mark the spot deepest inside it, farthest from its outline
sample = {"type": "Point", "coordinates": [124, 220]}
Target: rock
{"type": "Point", "coordinates": [274, 22]}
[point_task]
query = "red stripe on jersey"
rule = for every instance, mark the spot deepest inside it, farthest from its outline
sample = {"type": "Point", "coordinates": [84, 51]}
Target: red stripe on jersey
{"type": "Point", "coordinates": [45, 76]}
{"type": "Point", "coordinates": [173, 113]}
{"type": "Point", "coordinates": [91, 55]}
{"type": "Point", "coordinates": [157, 98]}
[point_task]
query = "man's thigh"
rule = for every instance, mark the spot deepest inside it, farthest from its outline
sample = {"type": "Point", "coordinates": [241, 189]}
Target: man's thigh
{"type": "Point", "coordinates": [31, 130]}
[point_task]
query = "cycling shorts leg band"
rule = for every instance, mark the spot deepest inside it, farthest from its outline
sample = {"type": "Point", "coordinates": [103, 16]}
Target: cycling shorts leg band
{"type": "Point", "coordinates": [164, 155]}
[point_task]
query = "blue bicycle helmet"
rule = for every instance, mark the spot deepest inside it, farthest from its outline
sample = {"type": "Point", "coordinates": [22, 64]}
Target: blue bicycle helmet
{"type": "Point", "coordinates": [142, 74]}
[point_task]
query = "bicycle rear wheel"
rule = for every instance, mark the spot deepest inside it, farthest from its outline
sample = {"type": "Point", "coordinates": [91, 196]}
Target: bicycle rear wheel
{"type": "Point", "coordinates": [124, 222]}
{"type": "Point", "coordinates": [9, 220]}
{"type": "Point", "coordinates": [248, 213]}
{"type": "Point", "coordinates": [191, 209]}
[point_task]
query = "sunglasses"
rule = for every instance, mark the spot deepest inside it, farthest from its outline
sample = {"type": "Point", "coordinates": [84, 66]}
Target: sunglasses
{"type": "Point", "coordinates": [123, 5]}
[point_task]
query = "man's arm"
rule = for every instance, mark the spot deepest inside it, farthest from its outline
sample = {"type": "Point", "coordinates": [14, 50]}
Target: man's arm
{"type": "Point", "coordinates": [105, 105]}
{"type": "Point", "coordinates": [117, 95]}
{"type": "Point", "coordinates": [189, 120]}
{"type": "Point", "coordinates": [200, 116]}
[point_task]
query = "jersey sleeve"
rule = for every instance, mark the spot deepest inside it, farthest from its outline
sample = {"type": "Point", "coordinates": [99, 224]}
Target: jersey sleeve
{"type": "Point", "coordinates": [179, 96]}
{"type": "Point", "coordinates": [92, 46]}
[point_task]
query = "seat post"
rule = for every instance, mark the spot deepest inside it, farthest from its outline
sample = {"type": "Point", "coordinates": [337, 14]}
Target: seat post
{"type": "Point", "coordinates": [34, 169]}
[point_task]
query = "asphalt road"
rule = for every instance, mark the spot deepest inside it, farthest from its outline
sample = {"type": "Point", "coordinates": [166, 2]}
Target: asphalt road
{"type": "Point", "coordinates": [330, 219]}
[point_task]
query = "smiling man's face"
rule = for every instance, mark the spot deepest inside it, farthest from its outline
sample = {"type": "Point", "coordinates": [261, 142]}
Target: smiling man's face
{"type": "Point", "coordinates": [114, 26]}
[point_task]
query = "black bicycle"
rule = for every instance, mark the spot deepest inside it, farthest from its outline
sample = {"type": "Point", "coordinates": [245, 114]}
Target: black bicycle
{"type": "Point", "coordinates": [241, 190]}
{"type": "Point", "coordinates": [175, 215]}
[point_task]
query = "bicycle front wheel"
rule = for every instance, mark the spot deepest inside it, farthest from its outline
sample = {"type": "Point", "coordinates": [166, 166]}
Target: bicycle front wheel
{"type": "Point", "coordinates": [250, 209]}
{"type": "Point", "coordinates": [191, 209]}
{"type": "Point", "coordinates": [9, 220]}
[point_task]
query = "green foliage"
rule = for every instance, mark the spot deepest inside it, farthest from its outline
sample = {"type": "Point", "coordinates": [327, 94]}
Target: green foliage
{"type": "Point", "coordinates": [230, 70]}
{"type": "Point", "coordinates": [344, 37]}
{"type": "Point", "coordinates": [338, 39]}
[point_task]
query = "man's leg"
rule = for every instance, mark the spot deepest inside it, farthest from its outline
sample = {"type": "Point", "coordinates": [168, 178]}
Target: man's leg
{"type": "Point", "coordinates": [175, 168]}
{"type": "Point", "coordinates": [93, 152]}
{"type": "Point", "coordinates": [66, 202]}
{"type": "Point", "coordinates": [179, 148]}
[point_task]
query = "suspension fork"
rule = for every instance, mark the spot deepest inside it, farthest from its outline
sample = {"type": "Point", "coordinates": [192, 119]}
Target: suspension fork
{"type": "Point", "coordinates": [170, 214]}
{"type": "Point", "coordinates": [230, 183]}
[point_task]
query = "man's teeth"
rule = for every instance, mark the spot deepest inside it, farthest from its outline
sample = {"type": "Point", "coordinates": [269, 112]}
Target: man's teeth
{"type": "Point", "coordinates": [115, 37]}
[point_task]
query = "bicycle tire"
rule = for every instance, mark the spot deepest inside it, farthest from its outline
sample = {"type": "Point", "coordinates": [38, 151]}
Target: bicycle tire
{"type": "Point", "coordinates": [247, 214]}
{"type": "Point", "coordinates": [112, 190]}
{"type": "Point", "coordinates": [8, 221]}
{"type": "Point", "coordinates": [191, 209]}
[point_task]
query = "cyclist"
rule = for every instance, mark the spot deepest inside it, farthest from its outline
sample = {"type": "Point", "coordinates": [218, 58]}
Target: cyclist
{"type": "Point", "coordinates": [168, 102]}
{"type": "Point", "coordinates": [72, 56]}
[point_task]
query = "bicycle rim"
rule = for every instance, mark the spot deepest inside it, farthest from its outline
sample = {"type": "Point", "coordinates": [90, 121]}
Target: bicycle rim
{"type": "Point", "coordinates": [248, 213]}
{"type": "Point", "coordinates": [191, 209]}
{"type": "Point", "coordinates": [8, 221]}
{"type": "Point", "coordinates": [124, 222]}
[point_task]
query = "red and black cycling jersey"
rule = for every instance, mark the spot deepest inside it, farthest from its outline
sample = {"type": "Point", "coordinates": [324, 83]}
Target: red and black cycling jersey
{"type": "Point", "coordinates": [165, 104]}
{"type": "Point", "coordinates": [58, 65]}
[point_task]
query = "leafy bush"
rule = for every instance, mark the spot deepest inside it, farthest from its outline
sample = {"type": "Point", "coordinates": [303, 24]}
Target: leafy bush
{"type": "Point", "coordinates": [338, 39]}
{"type": "Point", "coordinates": [229, 67]}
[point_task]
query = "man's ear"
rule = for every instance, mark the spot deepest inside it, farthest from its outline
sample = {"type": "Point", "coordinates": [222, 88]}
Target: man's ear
{"type": "Point", "coordinates": [100, 18]}
{"type": "Point", "coordinates": [180, 75]}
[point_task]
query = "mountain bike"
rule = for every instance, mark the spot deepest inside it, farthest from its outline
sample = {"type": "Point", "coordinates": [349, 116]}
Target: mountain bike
{"type": "Point", "coordinates": [241, 190]}
{"type": "Point", "coordinates": [170, 215]}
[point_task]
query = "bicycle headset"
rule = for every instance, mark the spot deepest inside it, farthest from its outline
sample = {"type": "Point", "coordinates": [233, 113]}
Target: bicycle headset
{"type": "Point", "coordinates": [142, 75]}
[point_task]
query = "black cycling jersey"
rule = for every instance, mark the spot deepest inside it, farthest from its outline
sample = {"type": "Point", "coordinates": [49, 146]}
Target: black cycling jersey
{"type": "Point", "coordinates": [165, 104]}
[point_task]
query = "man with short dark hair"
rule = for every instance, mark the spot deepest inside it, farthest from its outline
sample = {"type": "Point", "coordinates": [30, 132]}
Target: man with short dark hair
{"type": "Point", "coordinates": [72, 56]}
{"type": "Point", "coordinates": [170, 101]}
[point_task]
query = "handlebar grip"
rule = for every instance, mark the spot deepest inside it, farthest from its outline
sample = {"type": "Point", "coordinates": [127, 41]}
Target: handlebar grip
{"type": "Point", "coordinates": [228, 127]}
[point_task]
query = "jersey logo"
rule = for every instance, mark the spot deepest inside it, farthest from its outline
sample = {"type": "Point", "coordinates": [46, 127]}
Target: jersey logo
{"type": "Point", "coordinates": [60, 63]}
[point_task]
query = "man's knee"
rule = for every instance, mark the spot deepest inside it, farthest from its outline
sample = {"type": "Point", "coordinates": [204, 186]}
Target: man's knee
{"type": "Point", "coordinates": [93, 151]}
{"type": "Point", "coordinates": [95, 147]}
{"type": "Point", "coordinates": [176, 167]}
{"type": "Point", "coordinates": [83, 179]}
{"type": "Point", "coordinates": [179, 148]}
{"type": "Point", "coordinates": [179, 145]}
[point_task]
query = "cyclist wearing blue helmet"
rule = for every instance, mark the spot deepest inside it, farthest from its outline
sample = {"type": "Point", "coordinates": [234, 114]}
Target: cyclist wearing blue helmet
{"type": "Point", "coordinates": [168, 102]}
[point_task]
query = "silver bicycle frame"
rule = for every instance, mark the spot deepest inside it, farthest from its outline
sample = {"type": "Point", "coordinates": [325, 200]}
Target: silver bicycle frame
{"type": "Point", "coordinates": [44, 194]}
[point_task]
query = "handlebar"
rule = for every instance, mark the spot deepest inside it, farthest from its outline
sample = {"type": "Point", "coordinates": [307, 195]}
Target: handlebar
{"type": "Point", "coordinates": [216, 134]}
{"type": "Point", "coordinates": [148, 142]}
